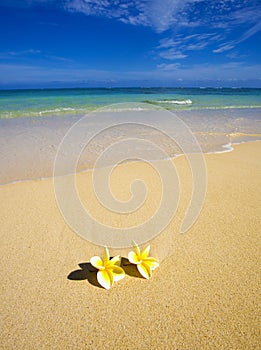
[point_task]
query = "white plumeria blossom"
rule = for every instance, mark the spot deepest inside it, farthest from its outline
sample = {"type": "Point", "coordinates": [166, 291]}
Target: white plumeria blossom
{"type": "Point", "coordinates": [108, 272]}
{"type": "Point", "coordinates": [145, 263]}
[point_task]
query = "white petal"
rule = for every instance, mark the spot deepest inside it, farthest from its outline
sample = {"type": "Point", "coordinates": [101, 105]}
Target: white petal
{"type": "Point", "coordinates": [105, 278]}
{"type": "Point", "coordinates": [151, 262]}
{"type": "Point", "coordinates": [144, 271]}
{"type": "Point", "coordinates": [133, 258]}
{"type": "Point", "coordinates": [97, 262]}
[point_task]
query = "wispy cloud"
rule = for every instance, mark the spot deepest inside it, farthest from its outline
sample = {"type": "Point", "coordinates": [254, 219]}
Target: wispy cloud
{"type": "Point", "coordinates": [23, 52]}
{"type": "Point", "coordinates": [226, 71]}
{"type": "Point", "coordinates": [162, 15]}
{"type": "Point", "coordinates": [175, 15]}
{"type": "Point", "coordinates": [244, 14]}
{"type": "Point", "coordinates": [181, 28]}
{"type": "Point", "coordinates": [168, 66]}
{"type": "Point", "coordinates": [157, 14]}
{"type": "Point", "coordinates": [250, 32]}
{"type": "Point", "coordinates": [14, 55]}
{"type": "Point", "coordinates": [26, 3]}
{"type": "Point", "coordinates": [248, 12]}
{"type": "Point", "coordinates": [29, 54]}
{"type": "Point", "coordinates": [131, 12]}
{"type": "Point", "coordinates": [180, 46]}
{"type": "Point", "coordinates": [224, 47]}
{"type": "Point", "coordinates": [172, 54]}
{"type": "Point", "coordinates": [230, 15]}
{"type": "Point", "coordinates": [246, 35]}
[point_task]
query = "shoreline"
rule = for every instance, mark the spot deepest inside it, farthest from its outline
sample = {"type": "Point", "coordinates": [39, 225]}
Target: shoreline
{"type": "Point", "coordinates": [81, 112]}
{"type": "Point", "coordinates": [227, 148]}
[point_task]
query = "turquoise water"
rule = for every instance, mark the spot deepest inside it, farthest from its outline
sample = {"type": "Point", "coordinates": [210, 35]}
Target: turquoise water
{"type": "Point", "coordinates": [34, 122]}
{"type": "Point", "coordinates": [46, 102]}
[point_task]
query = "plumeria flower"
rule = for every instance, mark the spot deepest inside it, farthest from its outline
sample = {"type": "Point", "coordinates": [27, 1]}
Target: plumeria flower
{"type": "Point", "coordinates": [108, 271]}
{"type": "Point", "coordinates": [145, 263]}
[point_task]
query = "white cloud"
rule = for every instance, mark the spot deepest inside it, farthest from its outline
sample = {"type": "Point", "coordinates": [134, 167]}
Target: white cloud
{"type": "Point", "coordinates": [205, 16]}
{"type": "Point", "coordinates": [227, 71]}
{"type": "Point", "coordinates": [19, 54]}
{"type": "Point", "coordinates": [162, 15]}
{"type": "Point", "coordinates": [230, 15]}
{"type": "Point", "coordinates": [158, 14]}
{"type": "Point", "coordinates": [24, 52]}
{"type": "Point", "coordinates": [250, 12]}
{"type": "Point", "coordinates": [252, 31]}
{"type": "Point", "coordinates": [130, 12]}
{"type": "Point", "coordinates": [180, 46]}
{"type": "Point", "coordinates": [31, 54]}
{"type": "Point", "coordinates": [248, 34]}
{"type": "Point", "coordinates": [26, 3]}
{"type": "Point", "coordinates": [224, 48]}
{"type": "Point", "coordinates": [172, 54]}
{"type": "Point", "coordinates": [168, 67]}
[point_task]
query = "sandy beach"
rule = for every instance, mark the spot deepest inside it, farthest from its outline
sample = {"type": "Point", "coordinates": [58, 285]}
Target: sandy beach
{"type": "Point", "coordinates": [204, 295]}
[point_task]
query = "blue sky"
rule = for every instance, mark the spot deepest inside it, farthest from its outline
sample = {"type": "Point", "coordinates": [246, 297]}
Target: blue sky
{"type": "Point", "coordinates": [64, 43]}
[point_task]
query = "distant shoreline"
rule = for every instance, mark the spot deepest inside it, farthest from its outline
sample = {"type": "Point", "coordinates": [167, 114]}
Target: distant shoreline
{"type": "Point", "coordinates": [131, 87]}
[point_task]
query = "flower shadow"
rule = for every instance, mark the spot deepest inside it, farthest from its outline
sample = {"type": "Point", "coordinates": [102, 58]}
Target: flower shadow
{"type": "Point", "coordinates": [87, 272]}
{"type": "Point", "coordinates": [130, 269]}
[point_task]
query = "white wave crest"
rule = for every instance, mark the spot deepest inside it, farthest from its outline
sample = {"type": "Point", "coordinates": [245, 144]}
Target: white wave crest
{"type": "Point", "coordinates": [56, 110]}
{"type": "Point", "coordinates": [176, 102]}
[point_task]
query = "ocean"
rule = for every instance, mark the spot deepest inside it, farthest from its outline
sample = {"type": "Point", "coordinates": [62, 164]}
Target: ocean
{"type": "Point", "coordinates": [48, 102]}
{"type": "Point", "coordinates": [33, 123]}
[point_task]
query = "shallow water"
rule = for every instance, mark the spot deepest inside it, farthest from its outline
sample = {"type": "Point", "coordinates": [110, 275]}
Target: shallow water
{"type": "Point", "coordinates": [48, 102]}
{"type": "Point", "coordinates": [28, 146]}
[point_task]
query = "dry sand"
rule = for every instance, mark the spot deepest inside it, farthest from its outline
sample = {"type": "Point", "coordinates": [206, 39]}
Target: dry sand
{"type": "Point", "coordinates": [204, 295]}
